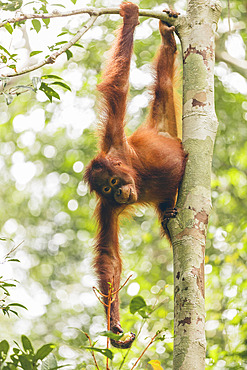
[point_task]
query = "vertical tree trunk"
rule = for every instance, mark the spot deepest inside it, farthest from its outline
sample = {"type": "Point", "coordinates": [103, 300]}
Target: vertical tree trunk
{"type": "Point", "coordinates": [188, 231]}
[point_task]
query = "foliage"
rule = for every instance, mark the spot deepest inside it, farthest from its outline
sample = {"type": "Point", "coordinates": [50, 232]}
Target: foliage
{"type": "Point", "coordinates": [5, 285]}
{"type": "Point", "coordinates": [22, 358]}
{"type": "Point", "coordinates": [37, 85]}
{"type": "Point", "coordinates": [26, 358]}
{"type": "Point", "coordinates": [137, 304]}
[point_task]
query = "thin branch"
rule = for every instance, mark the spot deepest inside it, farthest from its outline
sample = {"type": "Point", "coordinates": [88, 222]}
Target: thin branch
{"type": "Point", "coordinates": [91, 345]}
{"type": "Point", "coordinates": [109, 300]}
{"type": "Point", "coordinates": [98, 291]}
{"type": "Point", "coordinates": [145, 349]}
{"type": "Point", "coordinates": [91, 11]}
{"type": "Point", "coordinates": [126, 281]}
{"type": "Point", "coordinates": [143, 323]}
{"type": "Point", "coordinates": [52, 58]}
{"type": "Point", "coordinates": [94, 14]}
{"type": "Point", "coordinates": [13, 250]}
{"type": "Point", "coordinates": [128, 350]}
{"type": "Point", "coordinates": [94, 290]}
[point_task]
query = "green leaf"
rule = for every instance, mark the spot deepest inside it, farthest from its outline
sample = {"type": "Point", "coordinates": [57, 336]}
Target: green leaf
{"type": "Point", "coordinates": [15, 362]}
{"type": "Point", "coordinates": [14, 312]}
{"type": "Point", "coordinates": [62, 33]}
{"type": "Point", "coordinates": [8, 284]}
{"type": "Point", "coordinates": [27, 345]}
{"type": "Point", "coordinates": [44, 351]}
{"type": "Point", "coordinates": [11, 5]}
{"type": "Point", "coordinates": [35, 52]}
{"type": "Point", "coordinates": [16, 350]}
{"type": "Point", "coordinates": [104, 351]}
{"type": "Point", "coordinates": [137, 303]}
{"type": "Point", "coordinates": [43, 7]}
{"type": "Point", "coordinates": [3, 59]}
{"type": "Point", "coordinates": [36, 25]}
{"type": "Point", "coordinates": [49, 92]}
{"type": "Point", "coordinates": [60, 43]}
{"type": "Point", "coordinates": [46, 21]}
{"type": "Point", "coordinates": [61, 5]}
{"type": "Point", "coordinates": [13, 260]}
{"type": "Point", "coordinates": [13, 66]}
{"type": "Point", "coordinates": [4, 348]}
{"type": "Point", "coordinates": [143, 313]}
{"type": "Point", "coordinates": [16, 344]}
{"type": "Point", "coordinates": [69, 54]}
{"type": "Point", "coordinates": [5, 50]}
{"type": "Point", "coordinates": [17, 305]}
{"type": "Point", "coordinates": [9, 28]}
{"type": "Point", "coordinates": [65, 86]}
{"type": "Point", "coordinates": [51, 76]}
{"type": "Point", "coordinates": [111, 335]}
{"type": "Point", "coordinates": [79, 45]}
{"type": "Point", "coordinates": [161, 338]}
{"type": "Point", "coordinates": [25, 363]}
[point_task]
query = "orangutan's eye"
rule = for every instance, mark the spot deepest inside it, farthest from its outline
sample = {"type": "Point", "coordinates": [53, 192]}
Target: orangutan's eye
{"type": "Point", "coordinates": [106, 189]}
{"type": "Point", "coordinates": [114, 181]}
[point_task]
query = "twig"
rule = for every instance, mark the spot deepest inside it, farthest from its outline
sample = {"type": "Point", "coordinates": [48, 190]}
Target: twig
{"type": "Point", "coordinates": [128, 351]}
{"type": "Point", "coordinates": [94, 14]}
{"type": "Point", "coordinates": [91, 345]}
{"type": "Point", "coordinates": [141, 327]}
{"type": "Point", "coordinates": [52, 58]}
{"type": "Point", "coordinates": [96, 290]}
{"type": "Point", "coordinates": [151, 342]}
{"type": "Point", "coordinates": [114, 293]}
{"type": "Point", "coordinates": [13, 250]}
{"type": "Point", "coordinates": [109, 300]}
{"type": "Point", "coordinates": [10, 252]}
{"type": "Point", "coordinates": [91, 11]}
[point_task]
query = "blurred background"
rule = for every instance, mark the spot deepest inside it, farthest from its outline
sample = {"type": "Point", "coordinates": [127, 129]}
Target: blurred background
{"type": "Point", "coordinates": [45, 205]}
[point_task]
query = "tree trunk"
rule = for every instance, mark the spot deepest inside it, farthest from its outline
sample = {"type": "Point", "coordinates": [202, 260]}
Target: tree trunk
{"type": "Point", "coordinates": [188, 231]}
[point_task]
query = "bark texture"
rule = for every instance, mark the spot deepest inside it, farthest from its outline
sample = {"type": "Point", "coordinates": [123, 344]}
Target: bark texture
{"type": "Point", "coordinates": [188, 231]}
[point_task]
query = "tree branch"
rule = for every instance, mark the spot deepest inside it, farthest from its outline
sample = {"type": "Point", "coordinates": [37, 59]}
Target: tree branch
{"type": "Point", "coordinates": [91, 11]}
{"type": "Point", "coordinates": [52, 58]}
{"type": "Point", "coordinates": [237, 65]}
{"type": "Point", "coordinates": [94, 14]}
